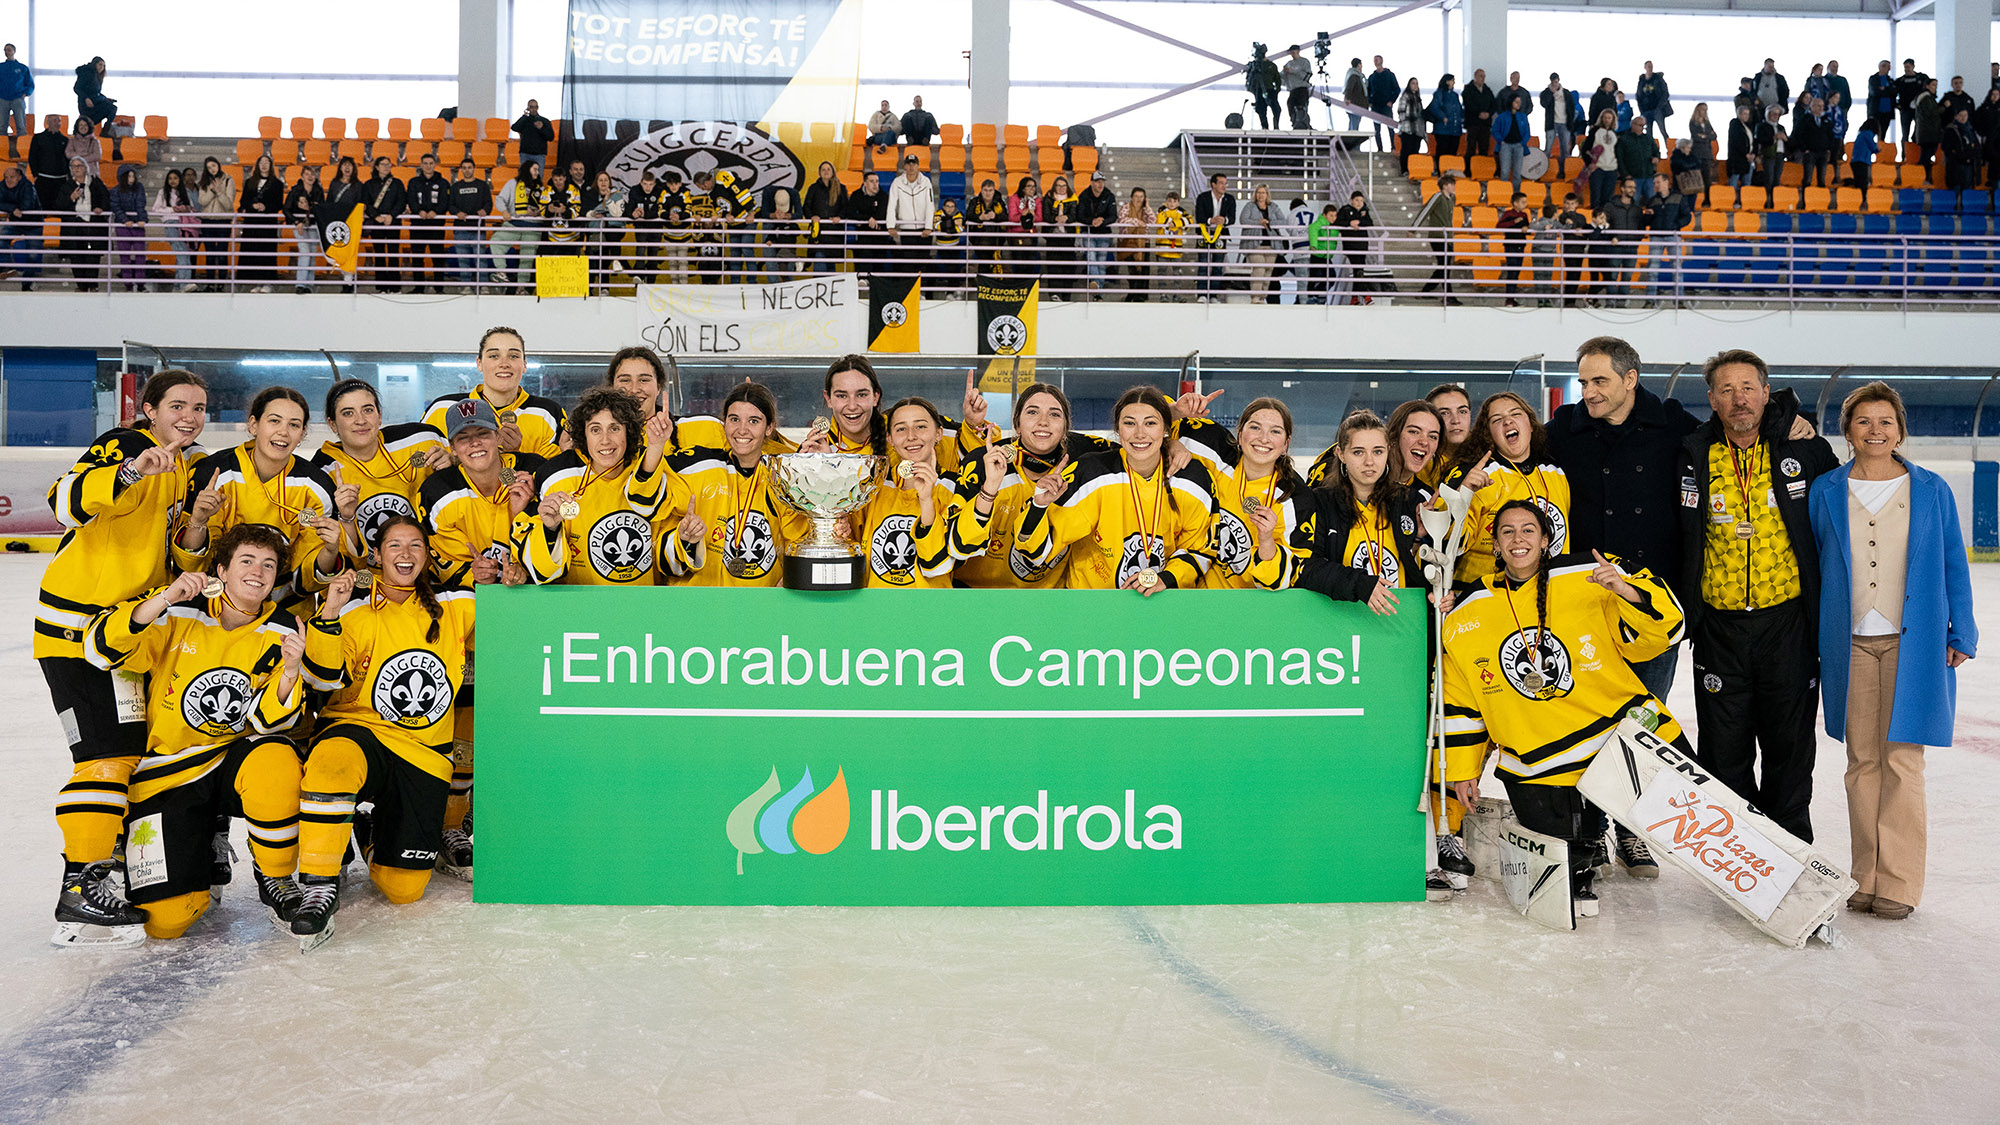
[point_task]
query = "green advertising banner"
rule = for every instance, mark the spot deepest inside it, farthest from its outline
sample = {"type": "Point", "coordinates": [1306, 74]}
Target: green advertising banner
{"type": "Point", "coordinates": [961, 747]}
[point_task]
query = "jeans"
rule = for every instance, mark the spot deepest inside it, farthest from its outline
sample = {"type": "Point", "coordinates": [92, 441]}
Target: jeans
{"type": "Point", "coordinates": [1663, 263]}
{"type": "Point", "coordinates": [20, 247]}
{"type": "Point", "coordinates": [1601, 185]}
{"type": "Point", "coordinates": [14, 117]}
{"type": "Point", "coordinates": [1354, 123]}
{"type": "Point", "coordinates": [1645, 186]}
{"type": "Point", "coordinates": [183, 252]}
{"type": "Point", "coordinates": [524, 239]}
{"type": "Point", "coordinates": [1561, 143]}
{"type": "Point", "coordinates": [1658, 118]}
{"type": "Point", "coordinates": [305, 256]}
{"type": "Point", "coordinates": [1097, 253]}
{"type": "Point", "coordinates": [1509, 162]}
{"type": "Point", "coordinates": [1739, 179]}
{"type": "Point", "coordinates": [465, 242]}
{"type": "Point", "coordinates": [1267, 104]}
{"type": "Point", "coordinates": [882, 140]}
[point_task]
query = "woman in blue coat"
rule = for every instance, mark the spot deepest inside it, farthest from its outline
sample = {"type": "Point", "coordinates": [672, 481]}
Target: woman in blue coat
{"type": "Point", "coordinates": [1446, 113]}
{"type": "Point", "coordinates": [1895, 621]}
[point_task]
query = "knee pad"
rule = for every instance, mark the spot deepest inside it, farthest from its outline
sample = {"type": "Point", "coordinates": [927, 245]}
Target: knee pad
{"type": "Point", "coordinates": [400, 885]}
{"type": "Point", "coordinates": [171, 917]}
{"type": "Point", "coordinates": [335, 765]}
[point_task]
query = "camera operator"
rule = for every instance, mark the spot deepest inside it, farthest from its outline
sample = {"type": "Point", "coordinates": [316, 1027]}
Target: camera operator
{"type": "Point", "coordinates": [1297, 77]}
{"type": "Point", "coordinates": [1261, 79]}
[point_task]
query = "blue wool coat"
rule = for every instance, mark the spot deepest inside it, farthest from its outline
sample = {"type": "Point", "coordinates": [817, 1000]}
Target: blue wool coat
{"type": "Point", "coordinates": [1937, 608]}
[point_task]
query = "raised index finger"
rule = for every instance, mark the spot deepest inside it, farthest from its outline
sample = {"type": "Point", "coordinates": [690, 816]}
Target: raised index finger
{"type": "Point", "coordinates": [1208, 398]}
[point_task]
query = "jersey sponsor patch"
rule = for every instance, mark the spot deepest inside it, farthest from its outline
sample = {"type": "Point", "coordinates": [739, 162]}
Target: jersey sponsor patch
{"type": "Point", "coordinates": [217, 702]}
{"type": "Point", "coordinates": [1690, 495]}
{"type": "Point", "coordinates": [376, 511]}
{"type": "Point", "coordinates": [412, 689]}
{"type": "Point", "coordinates": [1518, 660]}
{"type": "Point", "coordinates": [145, 852]}
{"type": "Point", "coordinates": [892, 552]}
{"type": "Point", "coordinates": [1234, 547]}
{"type": "Point", "coordinates": [621, 546]}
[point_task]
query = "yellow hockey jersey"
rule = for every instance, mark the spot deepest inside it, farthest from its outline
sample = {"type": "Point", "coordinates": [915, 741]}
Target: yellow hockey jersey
{"type": "Point", "coordinates": [1237, 566]}
{"type": "Point", "coordinates": [1546, 485]}
{"type": "Point", "coordinates": [1548, 729]}
{"type": "Point", "coordinates": [114, 540]}
{"type": "Point", "coordinates": [463, 523]}
{"type": "Point", "coordinates": [904, 554]}
{"type": "Point", "coordinates": [397, 684]}
{"type": "Point", "coordinates": [1171, 237]}
{"type": "Point", "coordinates": [542, 420]}
{"type": "Point", "coordinates": [283, 501]}
{"type": "Point", "coordinates": [1002, 565]}
{"type": "Point", "coordinates": [1129, 525]}
{"type": "Point", "coordinates": [390, 481]}
{"type": "Point", "coordinates": [207, 685]}
{"type": "Point", "coordinates": [748, 525]}
{"type": "Point", "coordinates": [609, 543]}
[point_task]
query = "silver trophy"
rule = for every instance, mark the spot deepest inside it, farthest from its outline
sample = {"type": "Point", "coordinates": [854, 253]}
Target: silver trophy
{"type": "Point", "coordinates": [825, 486]}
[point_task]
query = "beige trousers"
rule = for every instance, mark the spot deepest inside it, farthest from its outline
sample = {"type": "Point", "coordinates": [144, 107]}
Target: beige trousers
{"type": "Point", "coordinates": [1885, 780]}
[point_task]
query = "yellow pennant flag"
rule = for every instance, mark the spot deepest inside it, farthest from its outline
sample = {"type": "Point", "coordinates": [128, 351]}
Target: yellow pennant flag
{"type": "Point", "coordinates": [341, 241]}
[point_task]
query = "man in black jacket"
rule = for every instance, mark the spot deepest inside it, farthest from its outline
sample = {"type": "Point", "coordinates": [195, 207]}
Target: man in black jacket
{"type": "Point", "coordinates": [918, 124]}
{"type": "Point", "coordinates": [383, 195]}
{"type": "Point", "coordinates": [536, 132]}
{"type": "Point", "coordinates": [1910, 85]}
{"type": "Point", "coordinates": [1480, 107]}
{"type": "Point", "coordinates": [1749, 586]}
{"type": "Point", "coordinates": [48, 162]}
{"type": "Point", "coordinates": [1214, 214]}
{"type": "Point", "coordinates": [470, 201]}
{"type": "Point", "coordinates": [429, 201]}
{"type": "Point", "coordinates": [1096, 211]}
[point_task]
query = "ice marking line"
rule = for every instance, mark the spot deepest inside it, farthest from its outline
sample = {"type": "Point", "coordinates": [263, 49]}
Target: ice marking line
{"type": "Point", "coordinates": [897, 713]}
{"type": "Point", "coordinates": [129, 1000]}
{"type": "Point", "coordinates": [1240, 1010]}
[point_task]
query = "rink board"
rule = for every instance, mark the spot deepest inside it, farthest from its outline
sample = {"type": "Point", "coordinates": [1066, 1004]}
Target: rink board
{"type": "Point", "coordinates": [986, 748]}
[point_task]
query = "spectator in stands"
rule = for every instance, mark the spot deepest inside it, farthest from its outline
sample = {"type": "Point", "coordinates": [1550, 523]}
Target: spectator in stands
{"type": "Point", "coordinates": [1686, 170]}
{"type": "Point", "coordinates": [1513, 226]}
{"type": "Point", "coordinates": [178, 225]}
{"type": "Point", "coordinates": [1812, 140]}
{"type": "Point", "coordinates": [521, 222]}
{"type": "Point", "coordinates": [1862, 162]}
{"type": "Point", "coordinates": [1409, 125]}
{"type": "Point", "coordinates": [985, 227]}
{"type": "Point", "coordinates": [1446, 115]}
{"type": "Point", "coordinates": [216, 194]}
{"type": "Point", "coordinates": [1261, 79]}
{"type": "Point", "coordinates": [386, 199]}
{"type": "Point", "coordinates": [17, 85]}
{"type": "Point", "coordinates": [1815, 84]}
{"type": "Point", "coordinates": [912, 209]}
{"type": "Point", "coordinates": [1836, 128]}
{"type": "Point", "coordinates": [302, 203]}
{"type": "Point", "coordinates": [1655, 100]}
{"type": "Point", "coordinates": [1024, 213]}
{"type": "Point", "coordinates": [428, 201]}
{"type": "Point", "coordinates": [1961, 153]}
{"type": "Point", "coordinates": [1666, 212]}
{"type": "Point", "coordinates": [1354, 91]}
{"type": "Point", "coordinates": [1543, 247]}
{"type": "Point", "coordinates": [1836, 84]}
{"type": "Point", "coordinates": [1170, 243]}
{"type": "Point", "coordinates": [883, 125]}
{"type": "Point", "coordinates": [585, 184]}
{"type": "Point", "coordinates": [948, 241]}
{"type": "Point", "coordinates": [537, 133]}
{"type": "Point", "coordinates": [1354, 222]}
{"type": "Point", "coordinates": [91, 104]}
{"type": "Point", "coordinates": [1510, 138]}
{"type": "Point", "coordinates": [1882, 98]}
{"type": "Point", "coordinates": [868, 218]}
{"type": "Point", "coordinates": [1622, 106]}
{"type": "Point", "coordinates": [609, 216]}
{"type": "Point", "coordinates": [1954, 100]}
{"type": "Point", "coordinates": [1929, 120]}
{"type": "Point", "coordinates": [1260, 237]}
{"type": "Point", "coordinates": [1214, 215]}
{"type": "Point", "coordinates": [1096, 215]}
{"type": "Point", "coordinates": [261, 205]}
{"type": "Point", "coordinates": [1624, 217]}
{"type": "Point", "coordinates": [48, 162]}
{"type": "Point", "coordinates": [1504, 97]}
{"type": "Point", "coordinates": [1746, 98]}
{"type": "Point", "coordinates": [1059, 238]}
{"type": "Point", "coordinates": [469, 201]}
{"type": "Point", "coordinates": [1134, 231]}
{"type": "Point", "coordinates": [1638, 157]}
{"type": "Point", "coordinates": [128, 230]}
{"type": "Point", "coordinates": [918, 124]}
{"type": "Point", "coordinates": [737, 208]}
{"type": "Point", "coordinates": [1603, 153]}
{"type": "Point", "coordinates": [1910, 85]}
{"type": "Point", "coordinates": [1297, 79]}
{"type": "Point", "coordinates": [1605, 97]}
{"type": "Point", "coordinates": [1436, 218]}
{"type": "Point", "coordinates": [1323, 242]}
{"type": "Point", "coordinates": [1574, 246]}
{"type": "Point", "coordinates": [1479, 110]}
{"type": "Point", "coordinates": [1771, 146]}
{"type": "Point", "coordinates": [1742, 158]}
{"type": "Point", "coordinates": [562, 218]}
{"type": "Point", "coordinates": [1703, 149]}
{"type": "Point", "coordinates": [85, 203]}
{"type": "Point", "coordinates": [83, 144]}
{"type": "Point", "coordinates": [1383, 90]}
{"type": "Point", "coordinates": [1770, 86]}
{"type": "Point", "coordinates": [1562, 121]}
{"type": "Point", "coordinates": [20, 237]}
{"type": "Point", "coordinates": [343, 195]}
{"type": "Point", "coordinates": [1986, 122]}
{"type": "Point", "coordinates": [649, 208]}
{"type": "Point", "coordinates": [824, 209]}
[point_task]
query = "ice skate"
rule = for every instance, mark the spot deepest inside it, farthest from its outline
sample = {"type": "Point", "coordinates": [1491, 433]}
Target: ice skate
{"type": "Point", "coordinates": [1437, 888]}
{"type": "Point", "coordinates": [1451, 855]}
{"type": "Point", "coordinates": [90, 913]}
{"type": "Point", "coordinates": [225, 860]}
{"type": "Point", "coordinates": [455, 856]}
{"type": "Point", "coordinates": [1584, 895]}
{"type": "Point", "coordinates": [281, 896]}
{"type": "Point", "coordinates": [1633, 854]}
{"type": "Point", "coordinates": [312, 921]}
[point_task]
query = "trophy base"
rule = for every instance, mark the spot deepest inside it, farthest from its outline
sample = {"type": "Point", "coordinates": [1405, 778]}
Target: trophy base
{"type": "Point", "coordinates": [842, 572]}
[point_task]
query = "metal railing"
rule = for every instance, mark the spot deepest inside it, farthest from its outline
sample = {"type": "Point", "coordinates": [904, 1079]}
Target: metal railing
{"type": "Point", "coordinates": [234, 253]}
{"type": "Point", "coordinates": [1314, 166]}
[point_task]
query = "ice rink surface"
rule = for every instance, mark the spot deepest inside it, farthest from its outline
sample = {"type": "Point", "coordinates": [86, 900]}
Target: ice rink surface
{"type": "Point", "coordinates": [1668, 1006]}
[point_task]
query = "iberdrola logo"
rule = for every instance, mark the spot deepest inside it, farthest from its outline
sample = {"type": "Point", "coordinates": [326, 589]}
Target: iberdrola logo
{"type": "Point", "coordinates": [791, 823]}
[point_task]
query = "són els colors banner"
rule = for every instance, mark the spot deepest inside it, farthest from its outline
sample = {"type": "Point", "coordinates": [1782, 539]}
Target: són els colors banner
{"type": "Point", "coordinates": [962, 747]}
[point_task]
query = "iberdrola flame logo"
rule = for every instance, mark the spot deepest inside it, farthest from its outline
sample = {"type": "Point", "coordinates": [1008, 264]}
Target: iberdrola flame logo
{"type": "Point", "coordinates": [792, 823]}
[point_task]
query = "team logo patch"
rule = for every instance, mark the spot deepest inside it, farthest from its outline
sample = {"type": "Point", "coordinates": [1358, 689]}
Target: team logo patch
{"type": "Point", "coordinates": [1558, 525]}
{"type": "Point", "coordinates": [1376, 558]}
{"type": "Point", "coordinates": [1518, 661]}
{"type": "Point", "coordinates": [1233, 546]}
{"type": "Point", "coordinates": [1409, 526]}
{"type": "Point", "coordinates": [337, 234]}
{"type": "Point", "coordinates": [1006, 335]}
{"type": "Point", "coordinates": [1789, 466]}
{"type": "Point", "coordinates": [412, 690]}
{"type": "Point", "coordinates": [894, 314]}
{"type": "Point", "coordinates": [621, 546]}
{"type": "Point", "coordinates": [217, 702]}
{"type": "Point", "coordinates": [1024, 568]}
{"type": "Point", "coordinates": [377, 511]}
{"type": "Point", "coordinates": [466, 407]}
{"type": "Point", "coordinates": [1711, 683]}
{"type": "Point", "coordinates": [893, 550]}
{"type": "Point", "coordinates": [1132, 560]}
{"type": "Point", "coordinates": [756, 546]}
{"type": "Point", "coordinates": [692, 147]}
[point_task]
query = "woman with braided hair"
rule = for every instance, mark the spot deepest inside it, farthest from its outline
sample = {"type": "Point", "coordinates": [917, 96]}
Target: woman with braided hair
{"type": "Point", "coordinates": [1538, 661]}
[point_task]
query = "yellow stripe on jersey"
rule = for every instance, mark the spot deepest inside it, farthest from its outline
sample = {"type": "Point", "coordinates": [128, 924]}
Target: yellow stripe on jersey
{"type": "Point", "coordinates": [1546, 485]}
{"type": "Point", "coordinates": [114, 543]}
{"type": "Point", "coordinates": [1548, 730]}
{"type": "Point", "coordinates": [904, 553]}
{"type": "Point", "coordinates": [390, 481]}
{"type": "Point", "coordinates": [398, 684]}
{"type": "Point", "coordinates": [283, 501]}
{"type": "Point", "coordinates": [747, 525]}
{"type": "Point", "coordinates": [1126, 534]}
{"type": "Point", "coordinates": [608, 543]}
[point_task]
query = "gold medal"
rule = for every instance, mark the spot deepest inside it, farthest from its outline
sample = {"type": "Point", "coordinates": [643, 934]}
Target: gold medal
{"type": "Point", "coordinates": [364, 581]}
{"type": "Point", "coordinates": [1251, 506]}
{"type": "Point", "coordinates": [213, 589]}
{"type": "Point", "coordinates": [904, 471]}
{"type": "Point", "coordinates": [507, 475]}
{"type": "Point", "coordinates": [1745, 529]}
{"type": "Point", "coordinates": [739, 568]}
{"type": "Point", "coordinates": [1148, 578]}
{"type": "Point", "coordinates": [569, 509]}
{"type": "Point", "coordinates": [1534, 681]}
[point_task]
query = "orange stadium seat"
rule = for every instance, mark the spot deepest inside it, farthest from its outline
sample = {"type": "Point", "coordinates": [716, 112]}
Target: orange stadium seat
{"type": "Point", "coordinates": [284, 152]}
{"type": "Point", "coordinates": [986, 158]}
{"type": "Point", "coordinates": [1466, 192]}
{"type": "Point", "coordinates": [414, 151]}
{"type": "Point", "coordinates": [1084, 158]}
{"type": "Point", "coordinates": [951, 158]}
{"type": "Point", "coordinates": [1451, 164]}
{"type": "Point", "coordinates": [156, 128]}
{"type": "Point", "coordinates": [247, 152]}
{"type": "Point", "coordinates": [465, 129]}
{"type": "Point", "coordinates": [367, 129]}
{"type": "Point", "coordinates": [922, 155]}
{"type": "Point", "coordinates": [449, 153]}
{"type": "Point", "coordinates": [1537, 193]}
{"type": "Point", "coordinates": [1015, 159]}
{"type": "Point", "coordinates": [951, 136]}
{"type": "Point", "coordinates": [984, 136]}
{"type": "Point", "coordinates": [851, 180]}
{"type": "Point", "coordinates": [1849, 200]}
{"type": "Point", "coordinates": [1014, 134]}
{"type": "Point", "coordinates": [1048, 158]}
{"type": "Point", "coordinates": [1482, 168]}
{"type": "Point", "coordinates": [1713, 221]}
{"type": "Point", "coordinates": [1422, 167]}
{"type": "Point", "coordinates": [510, 154]}
{"type": "Point", "coordinates": [1426, 189]}
{"type": "Point", "coordinates": [1818, 199]}
{"type": "Point", "coordinates": [433, 128]}
{"type": "Point", "coordinates": [269, 128]}
{"type": "Point", "coordinates": [1723, 197]}
{"type": "Point", "coordinates": [317, 154]}
{"type": "Point", "coordinates": [498, 129]}
{"type": "Point", "coordinates": [399, 128]}
{"type": "Point", "coordinates": [485, 154]}
{"type": "Point", "coordinates": [301, 129]}
{"type": "Point", "coordinates": [1881, 200]}
{"type": "Point", "coordinates": [1484, 218]}
{"type": "Point", "coordinates": [1048, 136]}
{"type": "Point", "coordinates": [333, 128]}
{"type": "Point", "coordinates": [1749, 223]}
{"type": "Point", "coordinates": [352, 148]}
{"type": "Point", "coordinates": [1751, 199]}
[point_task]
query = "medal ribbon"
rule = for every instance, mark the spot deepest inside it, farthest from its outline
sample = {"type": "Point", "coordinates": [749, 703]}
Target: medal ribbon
{"type": "Point", "coordinates": [1371, 522]}
{"type": "Point", "coordinates": [1744, 475]}
{"type": "Point", "coordinates": [1148, 529]}
{"type": "Point", "coordinates": [743, 506]}
{"type": "Point", "coordinates": [1508, 584]}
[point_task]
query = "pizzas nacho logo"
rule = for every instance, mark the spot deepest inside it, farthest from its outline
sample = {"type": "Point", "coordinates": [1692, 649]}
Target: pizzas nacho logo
{"type": "Point", "coordinates": [791, 823]}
